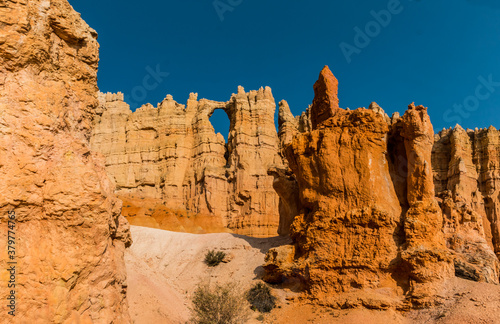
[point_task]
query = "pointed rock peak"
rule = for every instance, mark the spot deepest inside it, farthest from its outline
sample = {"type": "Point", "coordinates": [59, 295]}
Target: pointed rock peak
{"type": "Point", "coordinates": [326, 73]}
{"type": "Point", "coordinates": [169, 97]}
{"type": "Point", "coordinates": [374, 106]}
{"type": "Point", "coordinates": [458, 128]}
{"type": "Point", "coordinates": [284, 105]}
{"type": "Point", "coordinates": [411, 106]}
{"type": "Point", "coordinates": [326, 101]}
{"type": "Point", "coordinates": [241, 90]}
{"type": "Point", "coordinates": [268, 93]}
{"type": "Point", "coordinates": [491, 128]}
{"type": "Point", "coordinates": [284, 113]}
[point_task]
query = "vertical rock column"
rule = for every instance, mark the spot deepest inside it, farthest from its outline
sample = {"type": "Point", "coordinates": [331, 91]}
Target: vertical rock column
{"type": "Point", "coordinates": [425, 251]}
{"type": "Point", "coordinates": [345, 237]}
{"type": "Point", "coordinates": [466, 226]}
{"type": "Point", "coordinates": [488, 157]}
{"type": "Point", "coordinates": [69, 235]}
{"type": "Point", "coordinates": [253, 147]}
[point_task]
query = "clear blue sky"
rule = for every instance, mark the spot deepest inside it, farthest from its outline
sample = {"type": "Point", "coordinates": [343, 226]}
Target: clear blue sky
{"type": "Point", "coordinates": [441, 54]}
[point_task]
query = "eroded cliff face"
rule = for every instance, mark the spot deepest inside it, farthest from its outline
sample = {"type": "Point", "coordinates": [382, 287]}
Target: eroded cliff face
{"type": "Point", "coordinates": [369, 229]}
{"type": "Point", "coordinates": [424, 253]}
{"type": "Point", "coordinates": [69, 236]}
{"type": "Point", "coordinates": [171, 154]}
{"type": "Point", "coordinates": [465, 167]}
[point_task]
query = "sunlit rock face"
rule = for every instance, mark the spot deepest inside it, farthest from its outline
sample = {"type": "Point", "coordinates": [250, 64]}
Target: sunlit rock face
{"type": "Point", "coordinates": [465, 165]}
{"type": "Point", "coordinates": [387, 212]}
{"type": "Point", "coordinates": [172, 155]}
{"type": "Point", "coordinates": [70, 237]}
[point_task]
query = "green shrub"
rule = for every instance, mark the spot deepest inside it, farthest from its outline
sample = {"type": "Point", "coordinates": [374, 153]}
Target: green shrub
{"type": "Point", "coordinates": [213, 258]}
{"type": "Point", "coordinates": [260, 298]}
{"type": "Point", "coordinates": [222, 304]}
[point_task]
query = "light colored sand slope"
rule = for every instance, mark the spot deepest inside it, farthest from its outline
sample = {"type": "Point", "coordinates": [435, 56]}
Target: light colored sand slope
{"type": "Point", "coordinates": [164, 268]}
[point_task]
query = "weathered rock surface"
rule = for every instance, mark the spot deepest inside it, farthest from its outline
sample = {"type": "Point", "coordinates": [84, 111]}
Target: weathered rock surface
{"type": "Point", "coordinates": [465, 165]}
{"type": "Point", "coordinates": [69, 237]}
{"type": "Point", "coordinates": [370, 230]}
{"type": "Point", "coordinates": [429, 261]}
{"type": "Point", "coordinates": [153, 213]}
{"type": "Point", "coordinates": [345, 234]}
{"type": "Point", "coordinates": [285, 185]}
{"type": "Point", "coordinates": [326, 101]}
{"type": "Point", "coordinates": [172, 153]}
{"type": "Point", "coordinates": [164, 268]}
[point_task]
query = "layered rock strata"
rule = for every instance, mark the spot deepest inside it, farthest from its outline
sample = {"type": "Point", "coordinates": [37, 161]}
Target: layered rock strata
{"type": "Point", "coordinates": [69, 235]}
{"type": "Point", "coordinates": [465, 165]}
{"type": "Point", "coordinates": [171, 153]}
{"type": "Point", "coordinates": [369, 229]}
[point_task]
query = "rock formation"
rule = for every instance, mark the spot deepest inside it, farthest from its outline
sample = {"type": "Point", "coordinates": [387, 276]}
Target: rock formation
{"type": "Point", "coordinates": [424, 250]}
{"type": "Point", "coordinates": [326, 102]}
{"type": "Point", "coordinates": [465, 167]}
{"type": "Point", "coordinates": [369, 229]}
{"type": "Point", "coordinates": [69, 235]}
{"type": "Point", "coordinates": [172, 154]}
{"type": "Point", "coordinates": [344, 234]}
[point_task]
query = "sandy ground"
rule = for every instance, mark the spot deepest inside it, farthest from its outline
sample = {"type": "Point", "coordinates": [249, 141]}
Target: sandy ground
{"type": "Point", "coordinates": [164, 268]}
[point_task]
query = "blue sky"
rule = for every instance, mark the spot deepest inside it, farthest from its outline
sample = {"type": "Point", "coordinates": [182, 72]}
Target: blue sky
{"type": "Point", "coordinates": [441, 54]}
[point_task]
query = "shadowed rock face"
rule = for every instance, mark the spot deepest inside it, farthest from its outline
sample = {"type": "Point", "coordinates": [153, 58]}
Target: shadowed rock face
{"type": "Point", "coordinates": [368, 229]}
{"type": "Point", "coordinates": [172, 154]}
{"type": "Point", "coordinates": [70, 237]}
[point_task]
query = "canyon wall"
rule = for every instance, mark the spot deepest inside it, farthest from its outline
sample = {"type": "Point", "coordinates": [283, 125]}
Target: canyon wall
{"type": "Point", "coordinates": [170, 157]}
{"type": "Point", "coordinates": [466, 178]}
{"type": "Point", "coordinates": [69, 237]}
{"type": "Point", "coordinates": [385, 212]}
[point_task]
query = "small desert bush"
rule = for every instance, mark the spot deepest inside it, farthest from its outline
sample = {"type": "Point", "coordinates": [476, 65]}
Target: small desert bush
{"type": "Point", "coordinates": [221, 304]}
{"type": "Point", "coordinates": [260, 298]}
{"type": "Point", "coordinates": [213, 258]}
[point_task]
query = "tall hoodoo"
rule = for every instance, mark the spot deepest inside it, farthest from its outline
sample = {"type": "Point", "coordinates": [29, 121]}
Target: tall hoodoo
{"type": "Point", "coordinates": [344, 235]}
{"type": "Point", "coordinates": [326, 101]}
{"type": "Point", "coordinates": [70, 237]}
{"type": "Point", "coordinates": [370, 230]}
{"type": "Point", "coordinates": [425, 250]}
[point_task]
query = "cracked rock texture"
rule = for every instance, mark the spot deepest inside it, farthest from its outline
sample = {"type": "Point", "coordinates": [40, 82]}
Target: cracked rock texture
{"type": "Point", "coordinates": [70, 237]}
{"type": "Point", "coordinates": [387, 213]}
{"type": "Point", "coordinates": [172, 154]}
{"type": "Point", "coordinates": [466, 176]}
